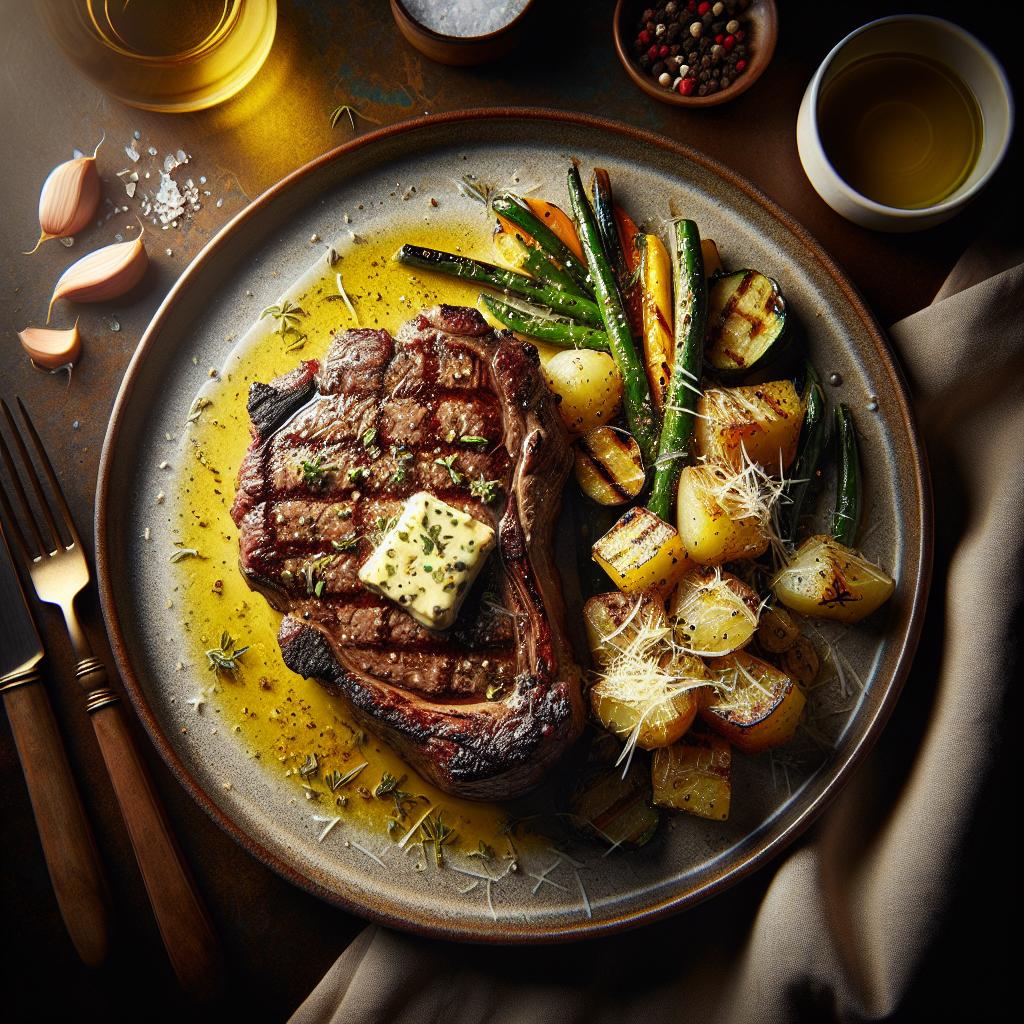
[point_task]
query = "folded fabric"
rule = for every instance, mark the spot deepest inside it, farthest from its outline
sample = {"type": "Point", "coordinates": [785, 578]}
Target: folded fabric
{"type": "Point", "coordinates": [838, 928]}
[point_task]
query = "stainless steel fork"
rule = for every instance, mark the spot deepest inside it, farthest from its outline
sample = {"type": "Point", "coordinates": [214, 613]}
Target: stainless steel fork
{"type": "Point", "coordinates": [53, 554]}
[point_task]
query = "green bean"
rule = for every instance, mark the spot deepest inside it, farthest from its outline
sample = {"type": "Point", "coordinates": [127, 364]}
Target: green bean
{"type": "Point", "coordinates": [554, 332]}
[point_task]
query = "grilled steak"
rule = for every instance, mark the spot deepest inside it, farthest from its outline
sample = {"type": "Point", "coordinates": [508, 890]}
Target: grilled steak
{"type": "Point", "coordinates": [484, 708]}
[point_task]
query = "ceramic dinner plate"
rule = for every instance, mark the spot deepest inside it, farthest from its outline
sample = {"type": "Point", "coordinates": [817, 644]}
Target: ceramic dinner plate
{"type": "Point", "coordinates": [550, 888]}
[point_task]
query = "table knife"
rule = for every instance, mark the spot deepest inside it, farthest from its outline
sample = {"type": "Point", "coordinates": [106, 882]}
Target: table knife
{"type": "Point", "coordinates": [68, 845]}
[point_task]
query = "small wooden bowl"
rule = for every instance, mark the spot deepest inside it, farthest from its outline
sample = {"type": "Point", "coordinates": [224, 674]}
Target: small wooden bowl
{"type": "Point", "coordinates": [764, 30]}
{"type": "Point", "coordinates": [459, 51]}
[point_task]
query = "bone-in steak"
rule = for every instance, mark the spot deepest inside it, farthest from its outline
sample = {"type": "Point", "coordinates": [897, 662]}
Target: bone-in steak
{"type": "Point", "coordinates": [482, 709]}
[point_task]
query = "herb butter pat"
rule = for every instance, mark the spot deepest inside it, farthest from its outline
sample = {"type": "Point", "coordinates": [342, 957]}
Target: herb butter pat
{"type": "Point", "coordinates": [427, 561]}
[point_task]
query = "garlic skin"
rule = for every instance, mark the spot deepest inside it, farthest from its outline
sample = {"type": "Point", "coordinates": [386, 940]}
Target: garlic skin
{"type": "Point", "coordinates": [104, 274]}
{"type": "Point", "coordinates": [68, 199]}
{"type": "Point", "coordinates": [52, 349]}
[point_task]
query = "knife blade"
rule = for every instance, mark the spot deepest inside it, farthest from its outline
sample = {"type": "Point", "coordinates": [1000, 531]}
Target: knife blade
{"type": "Point", "coordinates": [20, 647]}
{"type": "Point", "coordinates": [69, 849]}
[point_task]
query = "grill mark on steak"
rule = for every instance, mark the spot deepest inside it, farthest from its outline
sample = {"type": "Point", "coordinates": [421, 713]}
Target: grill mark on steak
{"type": "Point", "coordinates": [303, 538]}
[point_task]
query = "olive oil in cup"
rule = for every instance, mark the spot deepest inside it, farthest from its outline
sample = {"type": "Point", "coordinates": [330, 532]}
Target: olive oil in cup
{"type": "Point", "coordinates": [172, 56]}
{"type": "Point", "coordinates": [904, 122]}
{"type": "Point", "coordinates": [901, 129]}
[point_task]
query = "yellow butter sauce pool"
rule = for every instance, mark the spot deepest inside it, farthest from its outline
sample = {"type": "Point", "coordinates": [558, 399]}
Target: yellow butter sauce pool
{"type": "Point", "coordinates": [289, 724]}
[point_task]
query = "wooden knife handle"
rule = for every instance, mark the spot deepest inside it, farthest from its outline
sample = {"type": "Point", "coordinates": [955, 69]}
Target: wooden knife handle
{"type": "Point", "coordinates": [181, 915]}
{"type": "Point", "coordinates": [67, 840]}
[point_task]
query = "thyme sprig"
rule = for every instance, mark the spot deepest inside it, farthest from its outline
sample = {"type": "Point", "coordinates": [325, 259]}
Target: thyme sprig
{"type": "Point", "coordinates": [486, 490]}
{"type": "Point", "coordinates": [335, 779]}
{"type": "Point", "coordinates": [315, 471]}
{"type": "Point", "coordinates": [226, 657]}
{"type": "Point", "coordinates": [436, 832]}
{"type": "Point", "coordinates": [448, 461]}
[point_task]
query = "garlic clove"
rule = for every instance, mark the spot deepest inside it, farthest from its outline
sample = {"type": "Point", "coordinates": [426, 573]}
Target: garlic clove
{"type": "Point", "coordinates": [50, 348]}
{"type": "Point", "coordinates": [68, 199]}
{"type": "Point", "coordinates": [104, 274]}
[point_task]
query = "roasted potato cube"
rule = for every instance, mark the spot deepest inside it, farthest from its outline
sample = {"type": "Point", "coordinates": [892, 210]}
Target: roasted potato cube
{"type": "Point", "coordinates": [614, 808]}
{"type": "Point", "coordinates": [801, 662]}
{"type": "Point", "coordinates": [777, 632]}
{"type": "Point", "coordinates": [828, 580]}
{"type": "Point", "coordinates": [694, 775]}
{"type": "Point", "coordinates": [763, 419]}
{"type": "Point", "coordinates": [713, 612]}
{"type": "Point", "coordinates": [755, 706]}
{"type": "Point", "coordinates": [641, 551]}
{"type": "Point", "coordinates": [657, 721]}
{"type": "Point", "coordinates": [605, 614]}
{"type": "Point", "coordinates": [709, 533]}
{"type": "Point", "coordinates": [589, 385]}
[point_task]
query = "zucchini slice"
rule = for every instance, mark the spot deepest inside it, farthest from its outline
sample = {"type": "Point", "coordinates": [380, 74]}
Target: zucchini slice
{"type": "Point", "coordinates": [746, 322]}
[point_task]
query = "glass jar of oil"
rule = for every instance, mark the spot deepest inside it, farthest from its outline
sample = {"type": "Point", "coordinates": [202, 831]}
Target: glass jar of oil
{"type": "Point", "coordinates": [901, 129]}
{"type": "Point", "coordinates": [166, 55]}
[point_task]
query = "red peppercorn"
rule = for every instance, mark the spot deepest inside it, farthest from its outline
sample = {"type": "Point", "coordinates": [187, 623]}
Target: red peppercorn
{"type": "Point", "coordinates": [730, 42]}
{"type": "Point", "coordinates": [686, 86]}
{"type": "Point", "coordinates": [663, 51]}
{"type": "Point", "coordinates": [653, 53]}
{"type": "Point", "coordinates": [741, 65]}
{"type": "Point", "coordinates": [719, 38]}
{"type": "Point", "coordinates": [740, 35]}
{"type": "Point", "coordinates": [703, 9]}
{"type": "Point", "coordinates": [644, 39]}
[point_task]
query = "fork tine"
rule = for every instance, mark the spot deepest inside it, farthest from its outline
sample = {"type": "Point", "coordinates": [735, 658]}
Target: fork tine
{"type": "Point", "coordinates": [26, 508]}
{"type": "Point", "coordinates": [55, 487]}
{"type": "Point", "coordinates": [37, 488]}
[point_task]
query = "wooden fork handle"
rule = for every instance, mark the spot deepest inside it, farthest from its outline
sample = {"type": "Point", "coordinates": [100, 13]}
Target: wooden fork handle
{"type": "Point", "coordinates": [181, 915]}
{"type": "Point", "coordinates": [67, 840]}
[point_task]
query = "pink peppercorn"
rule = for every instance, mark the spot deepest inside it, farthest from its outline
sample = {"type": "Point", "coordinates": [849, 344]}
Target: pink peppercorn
{"type": "Point", "coordinates": [741, 66]}
{"type": "Point", "coordinates": [644, 39]}
{"type": "Point", "coordinates": [740, 36]}
{"type": "Point", "coordinates": [686, 86]}
{"type": "Point", "coordinates": [719, 37]}
{"type": "Point", "coordinates": [730, 42]}
{"type": "Point", "coordinates": [662, 51]}
{"type": "Point", "coordinates": [653, 53]}
{"type": "Point", "coordinates": [703, 9]}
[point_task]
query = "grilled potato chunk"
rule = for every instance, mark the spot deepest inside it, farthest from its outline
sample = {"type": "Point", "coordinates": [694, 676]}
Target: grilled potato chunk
{"type": "Point", "coordinates": [694, 776]}
{"type": "Point", "coordinates": [589, 386]}
{"type": "Point", "coordinates": [641, 551]}
{"type": "Point", "coordinates": [709, 533]}
{"type": "Point", "coordinates": [763, 419]}
{"type": "Point", "coordinates": [713, 612]}
{"type": "Point", "coordinates": [828, 580]}
{"type": "Point", "coordinates": [755, 707]}
{"type": "Point", "coordinates": [613, 619]}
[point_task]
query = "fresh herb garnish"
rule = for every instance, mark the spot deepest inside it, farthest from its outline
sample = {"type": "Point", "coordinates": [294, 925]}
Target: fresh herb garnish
{"type": "Point", "coordinates": [473, 439]}
{"type": "Point", "coordinates": [401, 470]}
{"type": "Point", "coordinates": [431, 540]}
{"type": "Point", "coordinates": [449, 463]}
{"type": "Point", "coordinates": [310, 766]}
{"type": "Point", "coordinates": [486, 490]}
{"type": "Point", "coordinates": [335, 779]}
{"type": "Point", "coordinates": [315, 471]}
{"type": "Point", "coordinates": [484, 851]}
{"type": "Point", "coordinates": [349, 543]}
{"type": "Point", "coordinates": [312, 573]}
{"type": "Point", "coordinates": [368, 436]}
{"type": "Point", "coordinates": [437, 832]}
{"type": "Point", "coordinates": [287, 314]}
{"type": "Point", "coordinates": [357, 474]}
{"type": "Point", "coordinates": [226, 657]}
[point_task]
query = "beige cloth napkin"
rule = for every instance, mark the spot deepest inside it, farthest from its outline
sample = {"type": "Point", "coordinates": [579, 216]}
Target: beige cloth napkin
{"type": "Point", "coordinates": [839, 927]}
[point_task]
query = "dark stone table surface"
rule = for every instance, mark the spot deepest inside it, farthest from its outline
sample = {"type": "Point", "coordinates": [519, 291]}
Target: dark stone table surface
{"type": "Point", "coordinates": [278, 939]}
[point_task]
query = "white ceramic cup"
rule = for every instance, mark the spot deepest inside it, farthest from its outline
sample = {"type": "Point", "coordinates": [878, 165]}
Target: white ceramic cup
{"type": "Point", "coordinates": [924, 36]}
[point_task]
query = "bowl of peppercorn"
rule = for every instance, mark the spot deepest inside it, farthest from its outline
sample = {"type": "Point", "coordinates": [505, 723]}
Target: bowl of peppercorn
{"type": "Point", "coordinates": [695, 54]}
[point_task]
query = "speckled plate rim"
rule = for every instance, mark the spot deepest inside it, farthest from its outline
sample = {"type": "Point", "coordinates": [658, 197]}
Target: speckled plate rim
{"type": "Point", "coordinates": [919, 554]}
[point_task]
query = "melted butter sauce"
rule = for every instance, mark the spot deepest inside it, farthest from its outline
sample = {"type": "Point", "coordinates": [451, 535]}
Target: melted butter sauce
{"type": "Point", "coordinates": [283, 720]}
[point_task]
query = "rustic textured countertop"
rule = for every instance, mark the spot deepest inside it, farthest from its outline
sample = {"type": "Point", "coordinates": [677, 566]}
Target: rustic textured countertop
{"type": "Point", "coordinates": [278, 939]}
